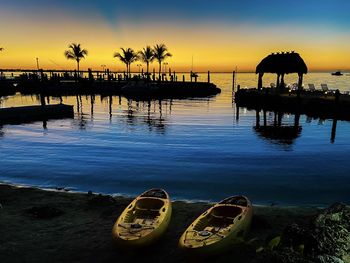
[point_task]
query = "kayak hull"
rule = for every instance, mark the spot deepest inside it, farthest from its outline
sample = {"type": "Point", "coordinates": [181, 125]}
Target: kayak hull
{"type": "Point", "coordinates": [144, 221]}
{"type": "Point", "coordinates": [219, 228]}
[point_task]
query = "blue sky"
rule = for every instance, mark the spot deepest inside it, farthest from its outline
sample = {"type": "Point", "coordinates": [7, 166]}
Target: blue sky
{"type": "Point", "coordinates": [334, 12]}
{"type": "Point", "coordinates": [219, 34]}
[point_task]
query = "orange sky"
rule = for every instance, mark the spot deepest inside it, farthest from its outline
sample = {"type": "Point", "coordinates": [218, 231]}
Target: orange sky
{"type": "Point", "coordinates": [215, 47]}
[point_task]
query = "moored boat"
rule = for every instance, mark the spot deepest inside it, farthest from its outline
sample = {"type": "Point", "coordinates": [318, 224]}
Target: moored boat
{"type": "Point", "coordinates": [145, 219]}
{"type": "Point", "coordinates": [337, 73]}
{"type": "Point", "coordinates": [220, 227]}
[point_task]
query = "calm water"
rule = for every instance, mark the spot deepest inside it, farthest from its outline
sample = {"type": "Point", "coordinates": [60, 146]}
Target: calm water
{"type": "Point", "coordinates": [196, 149]}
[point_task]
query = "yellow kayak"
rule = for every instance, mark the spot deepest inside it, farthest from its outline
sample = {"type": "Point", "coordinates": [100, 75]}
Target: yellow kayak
{"type": "Point", "coordinates": [220, 227]}
{"type": "Point", "coordinates": [144, 220]}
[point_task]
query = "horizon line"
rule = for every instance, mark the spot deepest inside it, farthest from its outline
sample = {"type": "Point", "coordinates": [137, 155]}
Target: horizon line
{"type": "Point", "coordinates": [137, 72]}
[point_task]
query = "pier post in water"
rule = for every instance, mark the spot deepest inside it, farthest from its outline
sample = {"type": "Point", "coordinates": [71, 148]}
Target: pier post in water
{"type": "Point", "coordinates": [108, 76]}
{"type": "Point", "coordinates": [233, 81]}
{"type": "Point", "coordinates": [334, 130]}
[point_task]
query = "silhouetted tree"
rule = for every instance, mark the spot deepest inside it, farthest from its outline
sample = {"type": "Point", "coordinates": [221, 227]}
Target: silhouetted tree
{"type": "Point", "coordinates": [147, 56]}
{"type": "Point", "coordinates": [75, 52]}
{"type": "Point", "coordinates": [127, 56]}
{"type": "Point", "coordinates": [1, 48]}
{"type": "Point", "coordinates": [160, 54]}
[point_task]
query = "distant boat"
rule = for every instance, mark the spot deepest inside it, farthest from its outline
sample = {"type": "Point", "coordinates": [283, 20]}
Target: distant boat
{"type": "Point", "coordinates": [337, 73]}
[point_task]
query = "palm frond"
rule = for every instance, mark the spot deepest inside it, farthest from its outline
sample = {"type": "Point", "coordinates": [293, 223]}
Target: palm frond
{"type": "Point", "coordinates": [127, 55]}
{"type": "Point", "coordinates": [75, 52]}
{"type": "Point", "coordinates": [146, 54]}
{"type": "Point", "coordinates": [161, 52]}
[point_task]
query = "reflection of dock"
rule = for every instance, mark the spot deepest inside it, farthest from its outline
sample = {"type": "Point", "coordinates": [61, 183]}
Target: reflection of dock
{"type": "Point", "coordinates": [278, 132]}
{"type": "Point", "coordinates": [282, 133]}
{"type": "Point", "coordinates": [17, 115]}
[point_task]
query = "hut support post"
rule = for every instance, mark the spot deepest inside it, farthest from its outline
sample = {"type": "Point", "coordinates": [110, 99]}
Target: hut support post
{"type": "Point", "coordinates": [300, 84]}
{"type": "Point", "coordinates": [278, 81]}
{"type": "Point", "coordinates": [260, 83]}
{"type": "Point", "coordinates": [282, 82]}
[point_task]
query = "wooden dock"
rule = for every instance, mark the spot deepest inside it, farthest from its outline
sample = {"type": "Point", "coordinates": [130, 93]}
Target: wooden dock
{"type": "Point", "coordinates": [17, 115]}
{"type": "Point", "coordinates": [65, 83]}
{"type": "Point", "coordinates": [314, 104]}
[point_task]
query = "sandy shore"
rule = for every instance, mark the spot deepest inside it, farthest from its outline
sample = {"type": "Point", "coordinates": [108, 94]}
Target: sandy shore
{"type": "Point", "coordinates": [58, 226]}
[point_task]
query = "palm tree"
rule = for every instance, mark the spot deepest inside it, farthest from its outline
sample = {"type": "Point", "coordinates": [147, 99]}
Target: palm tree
{"type": "Point", "coordinates": [75, 52]}
{"type": "Point", "coordinates": [147, 56]}
{"type": "Point", "coordinates": [127, 56]}
{"type": "Point", "coordinates": [160, 54]}
{"type": "Point", "coordinates": [1, 48]}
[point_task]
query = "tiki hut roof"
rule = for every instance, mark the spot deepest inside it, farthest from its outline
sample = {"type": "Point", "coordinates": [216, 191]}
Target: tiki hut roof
{"type": "Point", "coordinates": [282, 63]}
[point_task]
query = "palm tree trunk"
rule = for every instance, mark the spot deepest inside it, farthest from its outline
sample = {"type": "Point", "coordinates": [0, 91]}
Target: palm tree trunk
{"type": "Point", "coordinates": [160, 69]}
{"type": "Point", "coordinates": [129, 71]}
{"type": "Point", "coordinates": [147, 63]}
{"type": "Point", "coordinates": [78, 69]}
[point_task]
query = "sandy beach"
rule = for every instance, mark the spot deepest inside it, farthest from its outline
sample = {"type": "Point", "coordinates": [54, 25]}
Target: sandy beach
{"type": "Point", "coordinates": [39, 225]}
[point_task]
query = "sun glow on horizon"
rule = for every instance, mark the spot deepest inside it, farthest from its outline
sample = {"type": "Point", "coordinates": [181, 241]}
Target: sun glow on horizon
{"type": "Point", "coordinates": [213, 46]}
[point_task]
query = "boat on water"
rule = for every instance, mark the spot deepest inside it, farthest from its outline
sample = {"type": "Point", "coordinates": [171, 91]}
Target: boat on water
{"type": "Point", "coordinates": [337, 73]}
{"type": "Point", "coordinates": [145, 219]}
{"type": "Point", "coordinates": [221, 226]}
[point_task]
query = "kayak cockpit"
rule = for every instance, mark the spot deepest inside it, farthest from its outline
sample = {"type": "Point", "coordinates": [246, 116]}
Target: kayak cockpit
{"type": "Point", "coordinates": [157, 193]}
{"type": "Point", "coordinates": [144, 209]}
{"type": "Point", "coordinates": [219, 217]}
{"type": "Point", "coordinates": [236, 200]}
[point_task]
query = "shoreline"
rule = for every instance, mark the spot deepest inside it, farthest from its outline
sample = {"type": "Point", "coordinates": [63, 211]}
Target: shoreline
{"type": "Point", "coordinates": [132, 196]}
{"type": "Point", "coordinates": [77, 227]}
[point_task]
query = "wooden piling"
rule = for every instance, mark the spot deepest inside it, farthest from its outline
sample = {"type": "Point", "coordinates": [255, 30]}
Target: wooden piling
{"type": "Point", "coordinates": [233, 81]}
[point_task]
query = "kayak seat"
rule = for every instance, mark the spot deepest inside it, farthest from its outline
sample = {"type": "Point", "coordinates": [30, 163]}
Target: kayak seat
{"type": "Point", "coordinates": [223, 216]}
{"type": "Point", "coordinates": [148, 208]}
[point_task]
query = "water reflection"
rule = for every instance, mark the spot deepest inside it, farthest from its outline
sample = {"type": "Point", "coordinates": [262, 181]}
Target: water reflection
{"type": "Point", "coordinates": [275, 130]}
{"type": "Point", "coordinates": [334, 130]}
{"type": "Point", "coordinates": [145, 113]}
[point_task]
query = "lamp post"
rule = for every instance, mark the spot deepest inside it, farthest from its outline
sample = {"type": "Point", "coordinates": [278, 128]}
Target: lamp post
{"type": "Point", "coordinates": [139, 66]}
{"type": "Point", "coordinates": [165, 65]}
{"type": "Point", "coordinates": [37, 63]}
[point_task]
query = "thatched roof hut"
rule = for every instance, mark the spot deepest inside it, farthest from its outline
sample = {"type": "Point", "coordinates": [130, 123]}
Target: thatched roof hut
{"type": "Point", "coordinates": [281, 64]}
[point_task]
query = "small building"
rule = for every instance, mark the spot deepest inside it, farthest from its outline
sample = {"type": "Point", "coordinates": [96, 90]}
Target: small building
{"type": "Point", "coordinates": [281, 64]}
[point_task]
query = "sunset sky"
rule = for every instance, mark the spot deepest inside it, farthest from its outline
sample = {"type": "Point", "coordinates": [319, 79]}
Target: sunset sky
{"type": "Point", "coordinates": [219, 35]}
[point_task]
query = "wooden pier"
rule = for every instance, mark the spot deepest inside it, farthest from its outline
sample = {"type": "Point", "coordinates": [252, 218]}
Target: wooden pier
{"type": "Point", "coordinates": [17, 115]}
{"type": "Point", "coordinates": [58, 83]}
{"type": "Point", "coordinates": [314, 104]}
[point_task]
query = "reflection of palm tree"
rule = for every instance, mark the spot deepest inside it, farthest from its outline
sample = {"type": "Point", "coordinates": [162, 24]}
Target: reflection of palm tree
{"type": "Point", "coordinates": [75, 52]}
{"type": "Point", "coordinates": [160, 54]}
{"type": "Point", "coordinates": [147, 56]}
{"type": "Point", "coordinates": [127, 56]}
